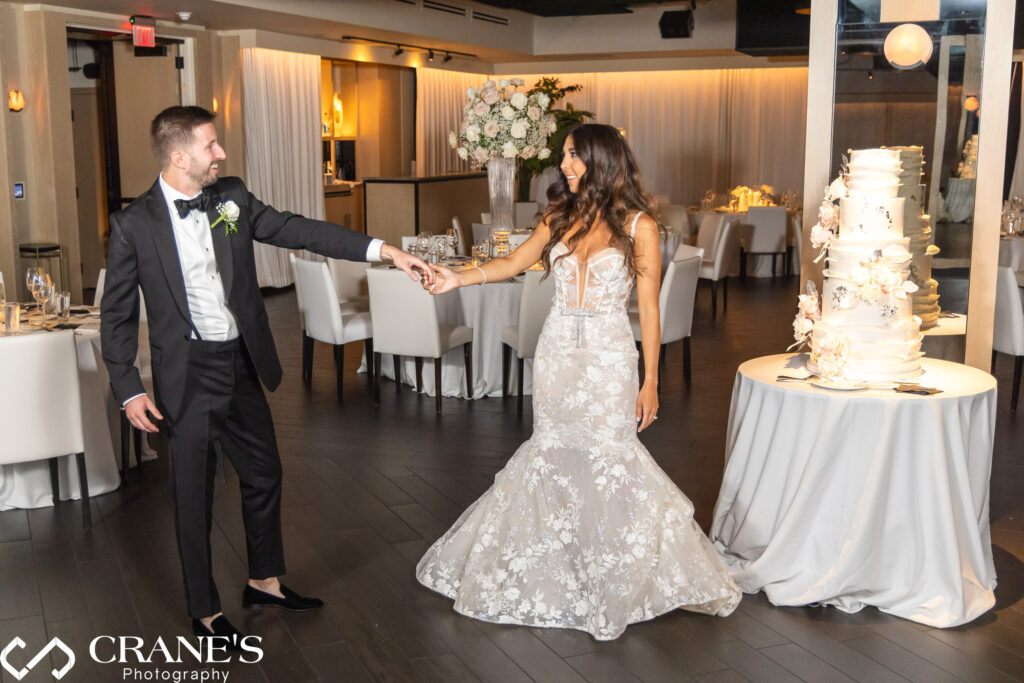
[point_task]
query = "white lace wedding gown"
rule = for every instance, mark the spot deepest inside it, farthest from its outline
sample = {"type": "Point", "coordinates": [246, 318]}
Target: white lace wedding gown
{"type": "Point", "coordinates": [581, 529]}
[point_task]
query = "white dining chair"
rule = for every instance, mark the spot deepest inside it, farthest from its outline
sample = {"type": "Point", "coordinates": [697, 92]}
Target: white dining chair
{"type": "Point", "coordinates": [523, 214]}
{"type": "Point", "coordinates": [685, 251]}
{"type": "Point", "coordinates": [324, 319]}
{"type": "Point", "coordinates": [767, 230]}
{"type": "Point", "coordinates": [1008, 333]}
{"type": "Point", "coordinates": [485, 217]}
{"type": "Point", "coordinates": [461, 248]}
{"type": "Point", "coordinates": [405, 323]}
{"type": "Point", "coordinates": [41, 407]}
{"type": "Point", "coordinates": [307, 341]}
{"type": "Point", "coordinates": [350, 284]}
{"type": "Point", "coordinates": [708, 232]}
{"type": "Point", "coordinates": [675, 219]}
{"type": "Point", "coordinates": [675, 304]}
{"type": "Point", "coordinates": [521, 338]}
{"type": "Point", "coordinates": [716, 269]}
{"type": "Point", "coordinates": [481, 231]}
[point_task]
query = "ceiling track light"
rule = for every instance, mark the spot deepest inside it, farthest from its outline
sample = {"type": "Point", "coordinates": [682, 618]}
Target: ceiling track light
{"type": "Point", "coordinates": [430, 55]}
{"type": "Point", "coordinates": [400, 48]}
{"type": "Point", "coordinates": [447, 57]}
{"type": "Point", "coordinates": [399, 51]}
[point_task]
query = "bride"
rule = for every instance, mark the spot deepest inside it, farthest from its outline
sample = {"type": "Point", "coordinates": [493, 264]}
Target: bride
{"type": "Point", "coordinates": [582, 529]}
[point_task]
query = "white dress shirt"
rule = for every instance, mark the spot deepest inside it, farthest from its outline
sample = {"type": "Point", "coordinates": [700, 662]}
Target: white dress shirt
{"type": "Point", "coordinates": [204, 289]}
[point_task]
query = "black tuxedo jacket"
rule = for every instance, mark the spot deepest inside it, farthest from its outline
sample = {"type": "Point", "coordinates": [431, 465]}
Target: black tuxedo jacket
{"type": "Point", "coordinates": [143, 253]}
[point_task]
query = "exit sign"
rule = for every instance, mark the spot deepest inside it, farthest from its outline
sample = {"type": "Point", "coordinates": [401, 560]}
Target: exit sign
{"type": "Point", "coordinates": [143, 31]}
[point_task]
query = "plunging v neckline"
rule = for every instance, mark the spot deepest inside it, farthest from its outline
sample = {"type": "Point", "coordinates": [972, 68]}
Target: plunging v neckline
{"type": "Point", "coordinates": [583, 273]}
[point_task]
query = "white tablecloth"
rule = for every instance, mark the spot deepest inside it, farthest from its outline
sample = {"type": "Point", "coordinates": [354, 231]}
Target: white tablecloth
{"type": "Point", "coordinates": [1011, 253]}
{"type": "Point", "coordinates": [487, 309]}
{"type": "Point", "coordinates": [861, 498]}
{"type": "Point", "coordinates": [27, 485]}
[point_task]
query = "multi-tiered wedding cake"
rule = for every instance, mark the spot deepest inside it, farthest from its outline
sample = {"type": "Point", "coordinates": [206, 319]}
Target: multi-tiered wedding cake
{"type": "Point", "coordinates": [916, 227]}
{"type": "Point", "coordinates": [865, 328]}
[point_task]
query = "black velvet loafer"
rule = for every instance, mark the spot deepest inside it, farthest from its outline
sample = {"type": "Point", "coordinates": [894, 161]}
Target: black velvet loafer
{"type": "Point", "coordinates": [292, 601]}
{"type": "Point", "coordinates": [222, 630]}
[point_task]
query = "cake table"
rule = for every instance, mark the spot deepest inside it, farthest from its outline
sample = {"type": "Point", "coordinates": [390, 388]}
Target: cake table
{"type": "Point", "coordinates": [863, 497]}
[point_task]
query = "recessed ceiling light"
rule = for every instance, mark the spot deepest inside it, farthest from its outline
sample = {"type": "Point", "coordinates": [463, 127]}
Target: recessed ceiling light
{"type": "Point", "coordinates": [184, 16]}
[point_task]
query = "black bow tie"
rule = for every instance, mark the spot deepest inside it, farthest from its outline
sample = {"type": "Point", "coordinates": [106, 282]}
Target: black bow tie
{"type": "Point", "coordinates": [201, 202]}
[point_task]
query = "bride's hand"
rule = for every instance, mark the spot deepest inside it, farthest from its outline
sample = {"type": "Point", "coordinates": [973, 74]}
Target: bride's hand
{"type": "Point", "coordinates": [445, 280]}
{"type": "Point", "coordinates": [646, 406]}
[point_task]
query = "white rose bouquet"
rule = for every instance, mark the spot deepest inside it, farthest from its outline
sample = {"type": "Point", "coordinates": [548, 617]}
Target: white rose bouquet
{"type": "Point", "coordinates": [500, 121]}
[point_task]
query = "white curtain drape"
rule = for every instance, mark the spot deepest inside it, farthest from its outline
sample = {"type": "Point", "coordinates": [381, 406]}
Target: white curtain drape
{"type": "Point", "coordinates": [283, 160]}
{"type": "Point", "coordinates": [690, 130]}
{"type": "Point", "coordinates": [439, 99]}
{"type": "Point", "coordinates": [1017, 180]}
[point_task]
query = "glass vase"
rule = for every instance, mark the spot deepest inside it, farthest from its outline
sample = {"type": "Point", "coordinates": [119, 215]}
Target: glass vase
{"type": "Point", "coordinates": [501, 179]}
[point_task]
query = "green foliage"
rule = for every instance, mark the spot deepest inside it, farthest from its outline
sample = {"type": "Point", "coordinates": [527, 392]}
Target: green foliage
{"type": "Point", "coordinates": [565, 120]}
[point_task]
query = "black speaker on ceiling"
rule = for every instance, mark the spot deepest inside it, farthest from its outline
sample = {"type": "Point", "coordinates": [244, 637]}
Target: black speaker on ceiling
{"type": "Point", "coordinates": [676, 24]}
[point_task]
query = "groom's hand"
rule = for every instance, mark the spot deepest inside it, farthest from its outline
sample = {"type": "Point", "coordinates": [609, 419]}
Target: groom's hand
{"type": "Point", "coordinates": [416, 268]}
{"type": "Point", "coordinates": [136, 410]}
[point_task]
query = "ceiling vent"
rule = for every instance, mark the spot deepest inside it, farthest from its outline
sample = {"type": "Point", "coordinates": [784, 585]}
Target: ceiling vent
{"type": "Point", "coordinates": [445, 7]}
{"type": "Point", "coordinates": [490, 18]}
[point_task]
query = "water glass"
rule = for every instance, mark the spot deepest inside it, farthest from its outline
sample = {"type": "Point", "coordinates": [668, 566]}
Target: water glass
{"type": "Point", "coordinates": [61, 302]}
{"type": "Point", "coordinates": [12, 318]}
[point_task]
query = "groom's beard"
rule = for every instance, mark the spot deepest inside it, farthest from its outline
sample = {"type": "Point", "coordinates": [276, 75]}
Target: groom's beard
{"type": "Point", "coordinates": [203, 177]}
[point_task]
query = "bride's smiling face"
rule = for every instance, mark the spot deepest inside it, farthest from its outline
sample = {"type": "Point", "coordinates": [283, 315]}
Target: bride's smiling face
{"type": "Point", "coordinates": [572, 166]}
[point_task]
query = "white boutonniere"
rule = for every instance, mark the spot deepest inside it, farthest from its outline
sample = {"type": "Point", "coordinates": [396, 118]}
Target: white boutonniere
{"type": "Point", "coordinates": [229, 213]}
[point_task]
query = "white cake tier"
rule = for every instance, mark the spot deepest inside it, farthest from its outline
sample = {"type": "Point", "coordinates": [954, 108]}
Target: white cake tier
{"type": "Point", "coordinates": [911, 163]}
{"type": "Point", "coordinates": [914, 194]}
{"type": "Point", "coordinates": [874, 357]}
{"type": "Point", "coordinates": [874, 173]}
{"type": "Point", "coordinates": [847, 253]}
{"type": "Point", "coordinates": [841, 307]}
{"type": "Point", "coordinates": [875, 216]}
{"type": "Point", "coordinates": [925, 302]}
{"type": "Point", "coordinates": [920, 225]}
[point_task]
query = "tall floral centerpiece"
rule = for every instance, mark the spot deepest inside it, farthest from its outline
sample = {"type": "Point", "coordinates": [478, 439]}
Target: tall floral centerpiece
{"type": "Point", "coordinates": [501, 125]}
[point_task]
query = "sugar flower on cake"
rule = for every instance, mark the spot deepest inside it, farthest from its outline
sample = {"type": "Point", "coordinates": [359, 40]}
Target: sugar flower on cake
{"type": "Point", "coordinates": [808, 312]}
{"type": "Point", "coordinates": [831, 354]}
{"type": "Point", "coordinates": [501, 121]}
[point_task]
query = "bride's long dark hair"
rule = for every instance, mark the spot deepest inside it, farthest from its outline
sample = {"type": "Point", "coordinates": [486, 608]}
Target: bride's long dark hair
{"type": "Point", "coordinates": [610, 189]}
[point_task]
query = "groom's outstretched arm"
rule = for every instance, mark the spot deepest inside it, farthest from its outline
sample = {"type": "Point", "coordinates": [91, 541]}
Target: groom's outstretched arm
{"type": "Point", "coordinates": [292, 231]}
{"type": "Point", "coordinates": [119, 317]}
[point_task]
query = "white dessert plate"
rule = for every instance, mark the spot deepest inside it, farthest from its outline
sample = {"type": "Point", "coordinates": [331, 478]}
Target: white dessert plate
{"type": "Point", "coordinates": [839, 384]}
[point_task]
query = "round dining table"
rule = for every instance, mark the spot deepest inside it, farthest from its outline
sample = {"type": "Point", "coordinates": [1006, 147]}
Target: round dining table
{"type": "Point", "coordinates": [854, 498]}
{"type": "Point", "coordinates": [27, 485]}
{"type": "Point", "coordinates": [1011, 253]}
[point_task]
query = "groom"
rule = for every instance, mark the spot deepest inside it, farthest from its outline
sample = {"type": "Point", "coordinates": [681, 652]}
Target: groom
{"type": "Point", "coordinates": [188, 242]}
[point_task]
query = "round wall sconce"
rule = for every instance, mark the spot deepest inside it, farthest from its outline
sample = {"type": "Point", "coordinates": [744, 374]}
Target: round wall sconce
{"type": "Point", "coordinates": [971, 103]}
{"type": "Point", "coordinates": [908, 46]}
{"type": "Point", "coordinates": [15, 100]}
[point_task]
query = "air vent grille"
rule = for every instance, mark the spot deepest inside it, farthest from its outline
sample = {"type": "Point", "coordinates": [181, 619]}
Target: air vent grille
{"type": "Point", "coordinates": [444, 7]}
{"type": "Point", "coordinates": [490, 18]}
{"type": "Point", "coordinates": [407, 2]}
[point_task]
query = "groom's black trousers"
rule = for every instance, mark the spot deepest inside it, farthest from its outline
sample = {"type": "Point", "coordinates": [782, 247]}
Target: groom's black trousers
{"type": "Point", "coordinates": [223, 402]}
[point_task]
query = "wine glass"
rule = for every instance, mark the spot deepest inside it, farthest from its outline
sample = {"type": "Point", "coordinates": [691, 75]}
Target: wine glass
{"type": "Point", "coordinates": [41, 292]}
{"type": "Point", "coordinates": [453, 240]}
{"type": "Point", "coordinates": [31, 274]}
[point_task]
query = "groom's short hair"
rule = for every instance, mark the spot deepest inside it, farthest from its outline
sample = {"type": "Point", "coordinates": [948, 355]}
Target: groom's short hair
{"type": "Point", "coordinates": [172, 129]}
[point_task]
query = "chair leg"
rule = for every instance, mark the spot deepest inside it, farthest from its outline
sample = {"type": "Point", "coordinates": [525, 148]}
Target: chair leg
{"type": "Point", "coordinates": [307, 358]}
{"type": "Point", "coordinates": [714, 298]}
{"type": "Point", "coordinates": [1018, 365]}
{"type": "Point", "coordinates": [467, 350]}
{"type": "Point", "coordinates": [419, 374]}
{"type": "Point", "coordinates": [661, 364]}
{"type": "Point", "coordinates": [992, 369]}
{"type": "Point", "coordinates": [773, 265]}
{"type": "Point", "coordinates": [137, 440]}
{"type": "Point", "coordinates": [437, 384]}
{"type": "Point", "coordinates": [54, 480]}
{"type": "Point", "coordinates": [520, 367]}
{"type": "Point", "coordinates": [640, 369]}
{"type": "Point", "coordinates": [376, 378]}
{"type": "Point", "coordinates": [743, 263]}
{"type": "Point", "coordinates": [83, 484]}
{"type": "Point", "coordinates": [397, 361]}
{"type": "Point", "coordinates": [725, 294]}
{"type": "Point", "coordinates": [126, 435]}
{"type": "Point", "coordinates": [339, 366]}
{"type": "Point", "coordinates": [788, 265]}
{"type": "Point", "coordinates": [506, 365]}
{"type": "Point", "coordinates": [686, 361]}
{"type": "Point", "coordinates": [368, 354]}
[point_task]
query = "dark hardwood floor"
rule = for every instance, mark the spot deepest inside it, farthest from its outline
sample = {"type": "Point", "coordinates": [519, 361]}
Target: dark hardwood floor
{"type": "Point", "coordinates": [368, 488]}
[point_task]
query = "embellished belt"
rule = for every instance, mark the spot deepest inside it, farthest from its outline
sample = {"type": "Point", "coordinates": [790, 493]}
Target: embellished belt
{"type": "Point", "coordinates": [580, 316]}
